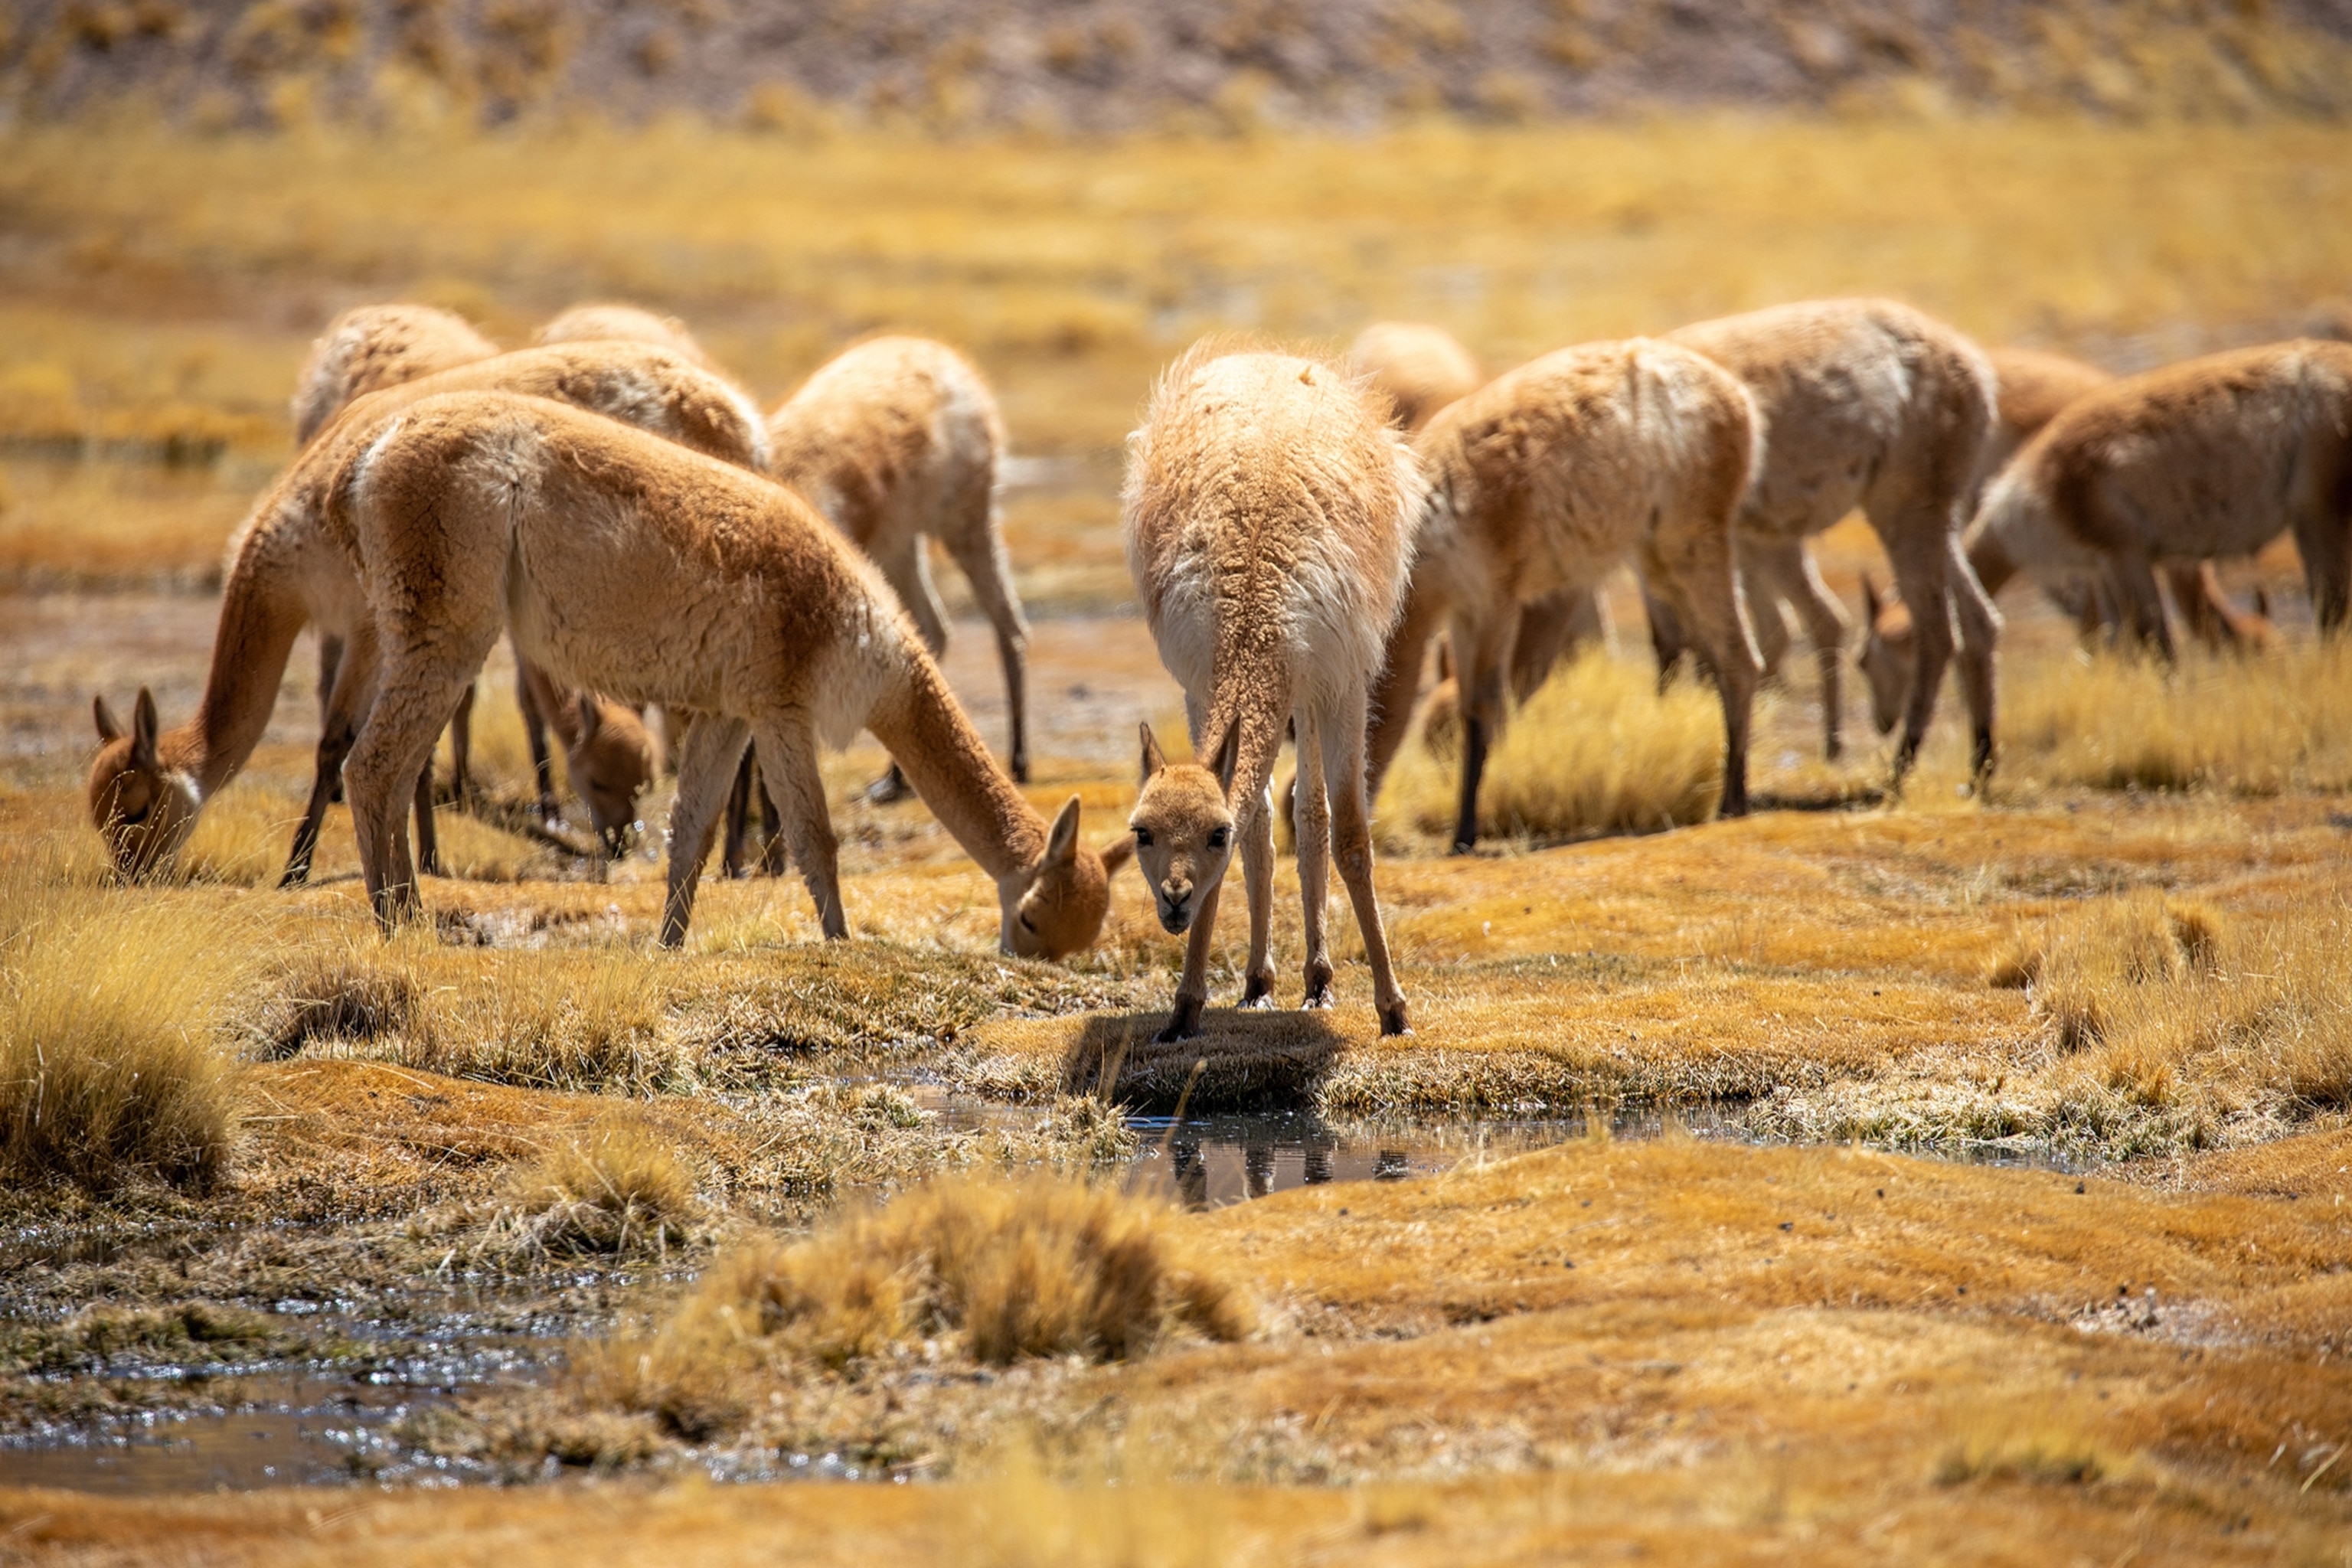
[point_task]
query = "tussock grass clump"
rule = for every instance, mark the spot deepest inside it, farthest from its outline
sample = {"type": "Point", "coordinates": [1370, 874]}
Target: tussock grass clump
{"type": "Point", "coordinates": [2053, 1453]}
{"type": "Point", "coordinates": [348, 994]}
{"type": "Point", "coordinates": [1596, 750]}
{"type": "Point", "coordinates": [2248, 723]}
{"type": "Point", "coordinates": [998, 1270]}
{"type": "Point", "coordinates": [590, 1019]}
{"type": "Point", "coordinates": [99, 1337]}
{"type": "Point", "coordinates": [614, 1189]}
{"type": "Point", "coordinates": [111, 1012]}
{"type": "Point", "coordinates": [2083, 972]}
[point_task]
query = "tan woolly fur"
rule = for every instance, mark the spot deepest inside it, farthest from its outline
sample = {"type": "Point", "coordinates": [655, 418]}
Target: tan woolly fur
{"type": "Point", "coordinates": [566, 527]}
{"type": "Point", "coordinates": [1268, 510]}
{"type": "Point", "coordinates": [607, 321]}
{"type": "Point", "coordinates": [285, 571]}
{"type": "Point", "coordinates": [372, 347]}
{"type": "Point", "coordinates": [896, 441]}
{"type": "Point", "coordinates": [1543, 482]}
{"type": "Point", "coordinates": [2213, 456]}
{"type": "Point", "coordinates": [1417, 367]}
{"type": "Point", "coordinates": [1869, 403]}
{"type": "Point", "coordinates": [2034, 386]}
{"type": "Point", "coordinates": [1420, 369]}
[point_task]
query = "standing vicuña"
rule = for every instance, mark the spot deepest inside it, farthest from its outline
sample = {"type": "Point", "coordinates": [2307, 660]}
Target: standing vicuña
{"type": "Point", "coordinates": [708, 589]}
{"type": "Point", "coordinates": [2211, 457]}
{"type": "Point", "coordinates": [895, 442]}
{"type": "Point", "coordinates": [1268, 511]}
{"type": "Point", "coordinates": [1421, 369]}
{"type": "Point", "coordinates": [287, 570]}
{"type": "Point", "coordinates": [1868, 404]}
{"type": "Point", "coordinates": [1543, 482]}
{"type": "Point", "coordinates": [2034, 386]}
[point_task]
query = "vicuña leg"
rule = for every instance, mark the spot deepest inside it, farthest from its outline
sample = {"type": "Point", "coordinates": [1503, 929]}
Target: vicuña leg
{"type": "Point", "coordinates": [1351, 848]}
{"type": "Point", "coordinates": [2323, 535]}
{"type": "Point", "coordinates": [982, 557]}
{"type": "Point", "coordinates": [346, 704]}
{"type": "Point", "coordinates": [706, 767]}
{"type": "Point", "coordinates": [738, 820]}
{"type": "Point", "coordinates": [534, 728]}
{"type": "Point", "coordinates": [908, 569]}
{"type": "Point", "coordinates": [1192, 988]}
{"type": "Point", "coordinates": [1400, 682]}
{"type": "Point", "coordinates": [1917, 549]}
{"type": "Point", "coordinates": [1482, 655]}
{"type": "Point", "coordinates": [1257, 874]}
{"type": "Point", "coordinates": [415, 695]}
{"type": "Point", "coordinates": [461, 747]}
{"type": "Point", "coordinates": [1785, 567]}
{"type": "Point", "coordinates": [1693, 576]}
{"type": "Point", "coordinates": [1314, 828]}
{"type": "Point", "coordinates": [1979, 624]}
{"type": "Point", "coordinates": [788, 763]}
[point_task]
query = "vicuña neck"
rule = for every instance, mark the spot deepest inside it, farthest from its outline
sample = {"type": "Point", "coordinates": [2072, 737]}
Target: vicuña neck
{"type": "Point", "coordinates": [927, 734]}
{"type": "Point", "coordinates": [259, 617]}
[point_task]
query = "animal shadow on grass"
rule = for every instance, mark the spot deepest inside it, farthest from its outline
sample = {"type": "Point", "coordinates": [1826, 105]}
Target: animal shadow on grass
{"type": "Point", "coordinates": [1246, 1060]}
{"type": "Point", "coordinates": [1847, 796]}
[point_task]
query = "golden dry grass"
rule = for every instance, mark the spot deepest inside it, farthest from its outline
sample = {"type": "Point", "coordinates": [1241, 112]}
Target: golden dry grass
{"type": "Point", "coordinates": [2255, 724]}
{"type": "Point", "coordinates": [1073, 269]}
{"type": "Point", "coordinates": [991, 1270]}
{"type": "Point", "coordinates": [113, 1060]}
{"type": "Point", "coordinates": [614, 1188]}
{"type": "Point", "coordinates": [1598, 749]}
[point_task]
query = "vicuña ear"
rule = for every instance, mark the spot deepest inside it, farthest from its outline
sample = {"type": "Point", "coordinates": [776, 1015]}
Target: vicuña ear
{"type": "Point", "coordinates": [1870, 605]}
{"type": "Point", "coordinates": [1118, 853]}
{"type": "Point", "coordinates": [1152, 760]}
{"type": "Point", "coordinates": [110, 728]}
{"type": "Point", "coordinates": [1229, 756]}
{"type": "Point", "coordinates": [591, 718]}
{"type": "Point", "coordinates": [1062, 843]}
{"type": "Point", "coordinates": [142, 731]}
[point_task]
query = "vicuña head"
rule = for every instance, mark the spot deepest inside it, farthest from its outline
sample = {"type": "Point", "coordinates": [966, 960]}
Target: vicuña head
{"type": "Point", "coordinates": [1055, 905]}
{"type": "Point", "coordinates": [1183, 828]}
{"type": "Point", "coordinates": [612, 757]}
{"type": "Point", "coordinates": [143, 807]}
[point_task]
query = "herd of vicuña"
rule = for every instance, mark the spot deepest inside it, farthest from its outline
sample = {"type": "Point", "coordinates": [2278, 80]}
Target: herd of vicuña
{"type": "Point", "coordinates": [681, 577]}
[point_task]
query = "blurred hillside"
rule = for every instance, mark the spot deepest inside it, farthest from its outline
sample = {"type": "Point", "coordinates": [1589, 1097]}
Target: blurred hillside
{"type": "Point", "coordinates": [807, 65]}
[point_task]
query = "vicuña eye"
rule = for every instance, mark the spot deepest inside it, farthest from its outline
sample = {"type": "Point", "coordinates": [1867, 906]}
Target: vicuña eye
{"type": "Point", "coordinates": [1027, 924]}
{"type": "Point", "coordinates": [1218, 837]}
{"type": "Point", "coordinates": [1143, 838]}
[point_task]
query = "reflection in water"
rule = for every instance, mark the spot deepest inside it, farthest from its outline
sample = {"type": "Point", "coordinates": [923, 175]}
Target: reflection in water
{"type": "Point", "coordinates": [1210, 1161]}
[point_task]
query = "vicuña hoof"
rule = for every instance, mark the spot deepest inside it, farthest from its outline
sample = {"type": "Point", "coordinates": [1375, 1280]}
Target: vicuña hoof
{"type": "Point", "coordinates": [891, 787]}
{"type": "Point", "coordinates": [1318, 1001]}
{"type": "Point", "coordinates": [1182, 1024]}
{"type": "Point", "coordinates": [1393, 1021]}
{"type": "Point", "coordinates": [1259, 993]}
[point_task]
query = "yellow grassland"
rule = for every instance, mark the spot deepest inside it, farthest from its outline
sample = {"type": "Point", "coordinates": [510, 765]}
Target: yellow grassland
{"type": "Point", "coordinates": [167, 283]}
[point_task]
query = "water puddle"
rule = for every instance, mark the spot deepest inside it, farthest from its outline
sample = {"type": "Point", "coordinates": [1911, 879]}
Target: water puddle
{"type": "Point", "coordinates": [274, 1432]}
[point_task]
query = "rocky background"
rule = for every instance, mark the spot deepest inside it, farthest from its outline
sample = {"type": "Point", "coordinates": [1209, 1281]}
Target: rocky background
{"type": "Point", "coordinates": [801, 67]}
